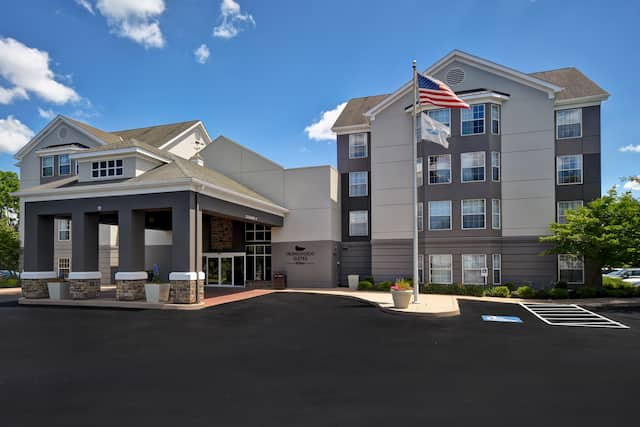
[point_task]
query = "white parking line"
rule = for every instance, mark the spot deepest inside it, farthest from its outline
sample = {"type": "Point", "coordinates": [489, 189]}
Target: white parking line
{"type": "Point", "coordinates": [570, 315]}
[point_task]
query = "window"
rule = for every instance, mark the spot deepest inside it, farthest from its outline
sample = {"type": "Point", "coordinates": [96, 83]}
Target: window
{"type": "Point", "coordinates": [358, 146]}
{"type": "Point", "coordinates": [358, 223]}
{"type": "Point", "coordinates": [258, 251]}
{"type": "Point", "coordinates": [472, 120]}
{"type": "Point", "coordinates": [473, 166]}
{"type": "Point", "coordinates": [420, 216]}
{"type": "Point", "coordinates": [440, 267]}
{"type": "Point", "coordinates": [472, 268]}
{"type": "Point", "coordinates": [440, 169]}
{"type": "Point", "coordinates": [440, 215]}
{"type": "Point", "coordinates": [495, 166]}
{"type": "Point", "coordinates": [570, 269]}
{"type": "Point", "coordinates": [47, 166]}
{"type": "Point", "coordinates": [570, 169]}
{"type": "Point", "coordinates": [569, 123]}
{"type": "Point", "coordinates": [106, 168]}
{"type": "Point", "coordinates": [563, 207]}
{"type": "Point", "coordinates": [257, 233]}
{"type": "Point", "coordinates": [358, 184]}
{"type": "Point", "coordinates": [442, 115]}
{"type": "Point", "coordinates": [420, 268]}
{"type": "Point", "coordinates": [419, 174]}
{"type": "Point", "coordinates": [64, 266]}
{"type": "Point", "coordinates": [473, 214]}
{"type": "Point", "coordinates": [64, 229]}
{"type": "Point", "coordinates": [496, 221]}
{"type": "Point", "coordinates": [64, 165]}
{"type": "Point", "coordinates": [496, 264]}
{"type": "Point", "coordinates": [495, 119]}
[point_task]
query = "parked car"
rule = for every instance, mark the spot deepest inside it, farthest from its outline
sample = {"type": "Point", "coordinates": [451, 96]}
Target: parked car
{"type": "Point", "coordinates": [635, 281]}
{"type": "Point", "coordinates": [7, 274]}
{"type": "Point", "coordinates": [626, 273]}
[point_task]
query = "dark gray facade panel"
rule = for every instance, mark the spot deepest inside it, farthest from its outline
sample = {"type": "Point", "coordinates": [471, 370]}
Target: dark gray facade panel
{"type": "Point", "coordinates": [355, 259]}
{"type": "Point", "coordinates": [38, 247]}
{"type": "Point", "coordinates": [131, 252]}
{"type": "Point", "coordinates": [391, 259]}
{"type": "Point", "coordinates": [84, 236]}
{"type": "Point", "coordinates": [312, 264]}
{"type": "Point", "coordinates": [346, 165]}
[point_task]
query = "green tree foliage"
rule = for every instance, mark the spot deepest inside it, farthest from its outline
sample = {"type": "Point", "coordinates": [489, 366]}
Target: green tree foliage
{"type": "Point", "coordinates": [9, 246]}
{"type": "Point", "coordinates": [9, 205]}
{"type": "Point", "coordinates": [606, 232]}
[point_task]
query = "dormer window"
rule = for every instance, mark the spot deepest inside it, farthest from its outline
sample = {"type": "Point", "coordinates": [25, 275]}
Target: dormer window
{"type": "Point", "coordinates": [106, 168]}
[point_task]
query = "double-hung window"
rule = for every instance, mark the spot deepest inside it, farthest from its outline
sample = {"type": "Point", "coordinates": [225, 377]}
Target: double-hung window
{"type": "Point", "coordinates": [570, 268]}
{"type": "Point", "coordinates": [569, 123]}
{"type": "Point", "coordinates": [421, 268]}
{"type": "Point", "coordinates": [473, 166]}
{"type": "Point", "coordinates": [106, 168]}
{"type": "Point", "coordinates": [473, 214]}
{"type": "Point", "coordinates": [440, 169]}
{"type": "Point", "coordinates": [64, 165]}
{"type": "Point", "coordinates": [495, 166]}
{"type": "Point", "coordinates": [64, 229]}
{"type": "Point", "coordinates": [440, 215]}
{"type": "Point", "coordinates": [47, 166]}
{"type": "Point", "coordinates": [472, 120]}
{"type": "Point", "coordinates": [358, 184]}
{"type": "Point", "coordinates": [358, 148]}
{"type": "Point", "coordinates": [358, 223]}
{"type": "Point", "coordinates": [495, 119]}
{"type": "Point", "coordinates": [442, 115]}
{"type": "Point", "coordinates": [564, 206]}
{"type": "Point", "coordinates": [472, 267]}
{"type": "Point", "coordinates": [440, 269]}
{"type": "Point", "coordinates": [64, 266]}
{"type": "Point", "coordinates": [420, 207]}
{"type": "Point", "coordinates": [419, 172]}
{"type": "Point", "coordinates": [496, 217]}
{"type": "Point", "coordinates": [496, 264]}
{"type": "Point", "coordinates": [569, 169]}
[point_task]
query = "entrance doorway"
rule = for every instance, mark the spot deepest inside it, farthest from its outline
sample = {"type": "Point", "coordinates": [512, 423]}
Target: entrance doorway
{"type": "Point", "coordinates": [225, 269]}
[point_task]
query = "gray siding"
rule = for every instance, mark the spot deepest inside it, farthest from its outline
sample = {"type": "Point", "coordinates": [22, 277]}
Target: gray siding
{"type": "Point", "coordinates": [355, 259]}
{"type": "Point", "coordinates": [391, 259]}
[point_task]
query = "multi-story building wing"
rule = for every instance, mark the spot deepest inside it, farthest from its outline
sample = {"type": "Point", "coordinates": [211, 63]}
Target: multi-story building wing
{"type": "Point", "coordinates": [526, 151]}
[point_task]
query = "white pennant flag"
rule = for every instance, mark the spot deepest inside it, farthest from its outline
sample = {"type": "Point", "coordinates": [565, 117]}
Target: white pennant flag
{"type": "Point", "coordinates": [434, 131]}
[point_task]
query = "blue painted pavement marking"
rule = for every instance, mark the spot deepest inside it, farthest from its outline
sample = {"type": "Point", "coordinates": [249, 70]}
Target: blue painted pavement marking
{"type": "Point", "coordinates": [508, 319]}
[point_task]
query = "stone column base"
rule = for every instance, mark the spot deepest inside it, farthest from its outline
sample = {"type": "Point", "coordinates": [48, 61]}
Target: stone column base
{"type": "Point", "coordinates": [130, 285]}
{"type": "Point", "coordinates": [84, 284]}
{"type": "Point", "coordinates": [34, 283]}
{"type": "Point", "coordinates": [186, 288]}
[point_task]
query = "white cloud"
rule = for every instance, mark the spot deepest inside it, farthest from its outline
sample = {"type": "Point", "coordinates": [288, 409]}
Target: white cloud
{"type": "Point", "coordinates": [27, 69]}
{"type": "Point", "coordinates": [87, 5]}
{"type": "Point", "coordinates": [202, 53]}
{"type": "Point", "coordinates": [46, 114]}
{"type": "Point", "coordinates": [135, 19]}
{"type": "Point", "coordinates": [632, 185]}
{"type": "Point", "coordinates": [13, 135]}
{"type": "Point", "coordinates": [631, 148]}
{"type": "Point", "coordinates": [321, 130]}
{"type": "Point", "coordinates": [233, 21]}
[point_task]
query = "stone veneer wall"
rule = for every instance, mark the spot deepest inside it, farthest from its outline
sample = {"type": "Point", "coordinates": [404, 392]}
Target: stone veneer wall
{"type": "Point", "coordinates": [84, 288]}
{"type": "Point", "coordinates": [130, 290]}
{"type": "Point", "coordinates": [35, 288]}
{"type": "Point", "coordinates": [184, 291]}
{"type": "Point", "coordinates": [221, 234]}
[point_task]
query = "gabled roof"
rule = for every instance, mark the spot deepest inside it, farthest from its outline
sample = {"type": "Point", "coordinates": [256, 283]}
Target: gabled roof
{"type": "Point", "coordinates": [156, 136]}
{"type": "Point", "coordinates": [107, 137]}
{"type": "Point", "coordinates": [574, 83]}
{"type": "Point", "coordinates": [124, 145]}
{"type": "Point", "coordinates": [353, 113]}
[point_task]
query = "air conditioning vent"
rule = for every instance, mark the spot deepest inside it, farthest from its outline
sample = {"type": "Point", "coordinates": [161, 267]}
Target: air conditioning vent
{"type": "Point", "coordinates": [454, 76]}
{"type": "Point", "coordinates": [63, 132]}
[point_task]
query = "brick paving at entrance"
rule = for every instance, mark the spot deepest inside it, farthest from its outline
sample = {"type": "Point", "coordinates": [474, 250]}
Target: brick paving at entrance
{"type": "Point", "coordinates": [218, 296]}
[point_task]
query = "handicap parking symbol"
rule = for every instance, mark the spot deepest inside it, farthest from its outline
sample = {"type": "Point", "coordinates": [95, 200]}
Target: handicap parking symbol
{"type": "Point", "coordinates": [507, 319]}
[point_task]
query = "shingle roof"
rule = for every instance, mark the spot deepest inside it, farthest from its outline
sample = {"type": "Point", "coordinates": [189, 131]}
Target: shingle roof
{"type": "Point", "coordinates": [353, 113]}
{"type": "Point", "coordinates": [575, 84]}
{"type": "Point", "coordinates": [129, 144]}
{"type": "Point", "coordinates": [155, 135]}
{"type": "Point", "coordinates": [100, 134]}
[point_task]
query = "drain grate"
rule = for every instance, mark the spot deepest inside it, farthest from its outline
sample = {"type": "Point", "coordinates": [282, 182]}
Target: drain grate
{"type": "Point", "coordinates": [570, 315]}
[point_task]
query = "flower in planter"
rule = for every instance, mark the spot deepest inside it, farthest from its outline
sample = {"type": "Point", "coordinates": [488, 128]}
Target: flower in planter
{"type": "Point", "coordinates": [402, 285]}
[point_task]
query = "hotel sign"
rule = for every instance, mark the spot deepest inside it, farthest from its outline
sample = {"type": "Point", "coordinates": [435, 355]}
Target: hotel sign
{"type": "Point", "coordinates": [301, 256]}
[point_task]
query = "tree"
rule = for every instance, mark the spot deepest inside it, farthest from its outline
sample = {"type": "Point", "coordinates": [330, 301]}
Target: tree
{"type": "Point", "coordinates": [9, 205]}
{"type": "Point", "coordinates": [606, 232]}
{"type": "Point", "coordinates": [9, 246]}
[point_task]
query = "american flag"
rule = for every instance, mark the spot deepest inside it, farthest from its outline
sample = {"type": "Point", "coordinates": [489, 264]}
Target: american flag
{"type": "Point", "coordinates": [432, 91]}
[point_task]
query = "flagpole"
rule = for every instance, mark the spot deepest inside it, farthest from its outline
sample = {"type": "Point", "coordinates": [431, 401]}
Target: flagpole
{"type": "Point", "coordinates": [414, 158]}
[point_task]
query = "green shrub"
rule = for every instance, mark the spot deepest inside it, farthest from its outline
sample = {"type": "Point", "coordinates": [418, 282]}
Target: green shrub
{"type": "Point", "coordinates": [365, 285]}
{"type": "Point", "coordinates": [11, 282]}
{"type": "Point", "coordinates": [558, 293]}
{"type": "Point", "coordinates": [369, 279]}
{"type": "Point", "coordinates": [541, 294]}
{"type": "Point", "coordinates": [587, 292]}
{"type": "Point", "coordinates": [562, 285]}
{"type": "Point", "coordinates": [526, 292]}
{"type": "Point", "coordinates": [498, 291]}
{"type": "Point", "coordinates": [613, 282]}
{"type": "Point", "coordinates": [384, 286]}
{"type": "Point", "coordinates": [455, 289]}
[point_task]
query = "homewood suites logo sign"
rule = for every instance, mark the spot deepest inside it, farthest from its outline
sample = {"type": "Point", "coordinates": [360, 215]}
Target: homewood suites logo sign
{"type": "Point", "coordinates": [300, 255]}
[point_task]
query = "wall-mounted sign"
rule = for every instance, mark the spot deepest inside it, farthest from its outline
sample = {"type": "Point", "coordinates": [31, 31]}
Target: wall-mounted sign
{"type": "Point", "coordinates": [301, 255]}
{"type": "Point", "coordinates": [251, 217]}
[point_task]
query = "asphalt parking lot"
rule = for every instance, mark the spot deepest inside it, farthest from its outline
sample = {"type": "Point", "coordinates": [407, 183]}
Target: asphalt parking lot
{"type": "Point", "coordinates": [311, 360]}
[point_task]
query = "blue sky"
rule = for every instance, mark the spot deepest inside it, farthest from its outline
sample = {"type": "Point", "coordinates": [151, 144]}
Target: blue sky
{"type": "Point", "coordinates": [275, 66]}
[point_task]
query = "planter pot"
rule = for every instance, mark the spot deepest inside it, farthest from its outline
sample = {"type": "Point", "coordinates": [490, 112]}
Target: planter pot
{"type": "Point", "coordinates": [157, 292]}
{"type": "Point", "coordinates": [353, 279]}
{"type": "Point", "coordinates": [401, 299]}
{"type": "Point", "coordinates": [58, 290]}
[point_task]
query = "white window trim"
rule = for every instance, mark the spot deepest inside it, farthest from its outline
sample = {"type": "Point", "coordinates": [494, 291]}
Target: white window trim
{"type": "Point", "coordinates": [462, 266]}
{"type": "Point", "coordinates": [450, 268]}
{"type": "Point", "coordinates": [420, 161]}
{"type": "Point", "coordinates": [556, 123]}
{"type": "Point", "coordinates": [484, 167]}
{"type": "Point", "coordinates": [581, 170]}
{"type": "Point", "coordinates": [106, 177]}
{"type": "Point", "coordinates": [484, 125]}
{"type": "Point", "coordinates": [350, 224]}
{"type": "Point", "coordinates": [572, 283]}
{"type": "Point", "coordinates": [366, 145]}
{"type": "Point", "coordinates": [58, 264]}
{"type": "Point", "coordinates": [429, 170]}
{"type": "Point", "coordinates": [493, 268]}
{"type": "Point", "coordinates": [60, 166]}
{"type": "Point", "coordinates": [462, 215]}
{"type": "Point", "coordinates": [440, 109]}
{"type": "Point", "coordinates": [566, 201]}
{"type": "Point", "coordinates": [499, 227]}
{"type": "Point", "coordinates": [59, 230]}
{"type": "Point", "coordinates": [53, 166]}
{"type": "Point", "coordinates": [499, 166]}
{"type": "Point", "coordinates": [450, 216]}
{"type": "Point", "coordinates": [366, 193]}
{"type": "Point", "coordinates": [420, 205]}
{"type": "Point", "coordinates": [421, 264]}
{"type": "Point", "coordinates": [491, 106]}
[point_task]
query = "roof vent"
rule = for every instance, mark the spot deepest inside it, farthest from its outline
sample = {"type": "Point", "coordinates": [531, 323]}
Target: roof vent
{"type": "Point", "coordinates": [197, 160]}
{"type": "Point", "coordinates": [454, 76]}
{"type": "Point", "coordinates": [63, 132]}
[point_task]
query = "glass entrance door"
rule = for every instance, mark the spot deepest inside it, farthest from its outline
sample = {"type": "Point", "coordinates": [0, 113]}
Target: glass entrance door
{"type": "Point", "coordinates": [213, 271]}
{"type": "Point", "coordinates": [225, 269]}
